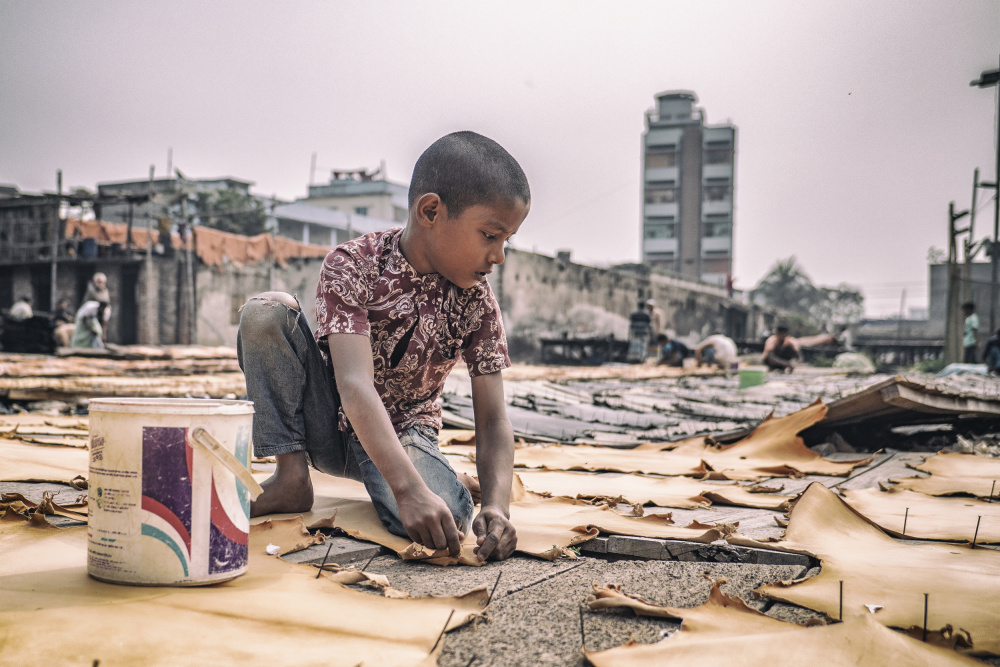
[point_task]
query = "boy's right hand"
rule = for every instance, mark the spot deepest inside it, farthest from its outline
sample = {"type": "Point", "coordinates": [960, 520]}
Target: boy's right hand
{"type": "Point", "coordinates": [428, 521]}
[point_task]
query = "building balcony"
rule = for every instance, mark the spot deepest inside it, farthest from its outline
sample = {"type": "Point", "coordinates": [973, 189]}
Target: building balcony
{"type": "Point", "coordinates": [715, 135]}
{"type": "Point", "coordinates": [659, 245]}
{"type": "Point", "coordinates": [716, 246]}
{"type": "Point", "coordinates": [662, 175]}
{"type": "Point", "coordinates": [667, 209]}
{"type": "Point", "coordinates": [721, 206]}
{"type": "Point", "coordinates": [716, 171]}
{"type": "Point", "coordinates": [663, 137]}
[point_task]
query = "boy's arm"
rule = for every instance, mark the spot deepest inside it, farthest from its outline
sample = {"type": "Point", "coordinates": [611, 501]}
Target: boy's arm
{"type": "Point", "coordinates": [495, 465]}
{"type": "Point", "coordinates": [424, 515]}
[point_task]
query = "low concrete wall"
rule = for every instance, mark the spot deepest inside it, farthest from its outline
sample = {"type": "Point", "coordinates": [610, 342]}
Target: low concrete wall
{"type": "Point", "coordinates": [543, 296]}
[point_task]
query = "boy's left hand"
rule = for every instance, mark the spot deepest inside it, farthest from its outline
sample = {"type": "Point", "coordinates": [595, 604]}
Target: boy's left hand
{"type": "Point", "coordinates": [496, 537]}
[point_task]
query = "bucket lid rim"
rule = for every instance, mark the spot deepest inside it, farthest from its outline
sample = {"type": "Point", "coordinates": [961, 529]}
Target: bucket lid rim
{"type": "Point", "coordinates": [112, 404]}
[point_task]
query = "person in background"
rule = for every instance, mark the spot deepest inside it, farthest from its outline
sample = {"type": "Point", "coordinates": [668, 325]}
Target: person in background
{"type": "Point", "coordinates": [672, 352]}
{"type": "Point", "coordinates": [21, 310]}
{"type": "Point", "coordinates": [657, 318]}
{"type": "Point", "coordinates": [639, 323]}
{"type": "Point", "coordinates": [970, 333]}
{"type": "Point", "coordinates": [97, 289]}
{"type": "Point", "coordinates": [991, 354]}
{"type": "Point", "coordinates": [781, 351]}
{"type": "Point", "coordinates": [64, 321]}
{"type": "Point", "coordinates": [717, 350]}
{"type": "Point", "coordinates": [89, 331]}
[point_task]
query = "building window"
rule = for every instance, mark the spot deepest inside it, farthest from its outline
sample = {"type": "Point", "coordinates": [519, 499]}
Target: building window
{"type": "Point", "coordinates": [660, 194]}
{"type": "Point", "coordinates": [361, 210]}
{"type": "Point", "coordinates": [716, 191]}
{"type": "Point", "coordinates": [660, 230]}
{"type": "Point", "coordinates": [718, 156]}
{"type": "Point", "coordinates": [717, 229]}
{"type": "Point", "coordinates": [661, 159]}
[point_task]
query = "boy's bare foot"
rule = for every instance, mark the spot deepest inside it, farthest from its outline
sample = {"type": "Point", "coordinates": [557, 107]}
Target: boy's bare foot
{"type": "Point", "coordinates": [472, 484]}
{"type": "Point", "coordinates": [289, 489]}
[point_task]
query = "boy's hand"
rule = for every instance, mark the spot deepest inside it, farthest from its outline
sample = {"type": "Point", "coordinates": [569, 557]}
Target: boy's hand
{"type": "Point", "coordinates": [496, 535]}
{"type": "Point", "coordinates": [429, 522]}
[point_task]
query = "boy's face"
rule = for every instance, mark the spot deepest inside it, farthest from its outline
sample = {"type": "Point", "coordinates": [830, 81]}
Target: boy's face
{"type": "Point", "coordinates": [467, 247]}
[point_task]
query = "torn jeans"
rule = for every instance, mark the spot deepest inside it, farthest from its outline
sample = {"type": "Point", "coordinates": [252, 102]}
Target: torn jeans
{"type": "Point", "coordinates": [296, 407]}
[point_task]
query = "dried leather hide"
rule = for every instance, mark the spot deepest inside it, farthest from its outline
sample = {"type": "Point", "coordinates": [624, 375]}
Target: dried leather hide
{"type": "Point", "coordinates": [952, 519]}
{"type": "Point", "coordinates": [278, 613]}
{"type": "Point", "coordinates": [963, 583]}
{"type": "Point", "coordinates": [545, 526]}
{"type": "Point", "coordinates": [725, 630]}
{"type": "Point", "coordinates": [955, 473]}
{"type": "Point", "coordinates": [773, 449]}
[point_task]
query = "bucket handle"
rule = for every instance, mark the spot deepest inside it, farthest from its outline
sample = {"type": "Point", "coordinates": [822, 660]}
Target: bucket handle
{"type": "Point", "coordinates": [225, 457]}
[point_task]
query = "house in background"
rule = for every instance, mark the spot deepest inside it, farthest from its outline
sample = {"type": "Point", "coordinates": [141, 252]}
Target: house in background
{"type": "Point", "coordinates": [362, 193]}
{"type": "Point", "coordinates": [305, 222]}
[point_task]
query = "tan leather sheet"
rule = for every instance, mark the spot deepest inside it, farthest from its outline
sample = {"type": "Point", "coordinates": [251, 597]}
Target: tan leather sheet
{"type": "Point", "coordinates": [680, 492]}
{"type": "Point", "coordinates": [956, 473]}
{"type": "Point", "coordinates": [276, 614]}
{"type": "Point", "coordinates": [928, 517]}
{"type": "Point", "coordinates": [725, 630]}
{"type": "Point", "coordinates": [773, 449]}
{"type": "Point", "coordinates": [21, 462]}
{"type": "Point", "coordinates": [963, 583]}
{"type": "Point", "coordinates": [545, 526]}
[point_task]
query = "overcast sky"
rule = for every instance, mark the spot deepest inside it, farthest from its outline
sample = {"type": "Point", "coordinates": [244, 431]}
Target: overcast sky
{"type": "Point", "coordinates": [856, 121]}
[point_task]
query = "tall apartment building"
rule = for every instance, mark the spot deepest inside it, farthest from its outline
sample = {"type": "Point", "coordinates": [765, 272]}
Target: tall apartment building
{"type": "Point", "coordinates": [687, 190]}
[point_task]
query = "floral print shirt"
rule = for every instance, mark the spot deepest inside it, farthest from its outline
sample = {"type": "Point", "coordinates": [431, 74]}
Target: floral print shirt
{"type": "Point", "coordinates": [418, 324]}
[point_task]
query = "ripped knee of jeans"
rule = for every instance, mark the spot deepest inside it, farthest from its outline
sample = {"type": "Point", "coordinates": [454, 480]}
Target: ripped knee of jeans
{"type": "Point", "coordinates": [275, 299]}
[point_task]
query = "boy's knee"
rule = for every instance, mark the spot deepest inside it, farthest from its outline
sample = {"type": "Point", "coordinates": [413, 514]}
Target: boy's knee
{"type": "Point", "coordinates": [279, 297]}
{"type": "Point", "coordinates": [264, 315]}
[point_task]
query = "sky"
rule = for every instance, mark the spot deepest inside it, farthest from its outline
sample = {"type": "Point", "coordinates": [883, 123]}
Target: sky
{"type": "Point", "coordinates": [856, 122]}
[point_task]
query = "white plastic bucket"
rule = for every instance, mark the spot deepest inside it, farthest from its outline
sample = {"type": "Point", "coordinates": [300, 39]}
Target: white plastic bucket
{"type": "Point", "coordinates": [169, 490]}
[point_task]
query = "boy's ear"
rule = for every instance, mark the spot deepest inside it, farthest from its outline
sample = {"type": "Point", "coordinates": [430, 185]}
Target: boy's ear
{"type": "Point", "coordinates": [430, 209]}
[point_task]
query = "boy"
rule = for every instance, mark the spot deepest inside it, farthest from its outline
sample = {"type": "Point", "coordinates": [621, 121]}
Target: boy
{"type": "Point", "coordinates": [394, 310]}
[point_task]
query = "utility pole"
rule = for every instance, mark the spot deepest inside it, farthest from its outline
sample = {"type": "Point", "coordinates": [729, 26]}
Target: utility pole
{"type": "Point", "coordinates": [953, 325]}
{"type": "Point", "coordinates": [988, 79]}
{"type": "Point", "coordinates": [971, 241]}
{"type": "Point", "coordinates": [54, 271]}
{"type": "Point", "coordinates": [192, 333]}
{"type": "Point", "coordinates": [151, 337]}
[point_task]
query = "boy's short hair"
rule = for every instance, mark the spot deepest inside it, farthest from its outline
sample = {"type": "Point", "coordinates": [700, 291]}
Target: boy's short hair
{"type": "Point", "coordinates": [782, 328]}
{"type": "Point", "coordinates": [968, 305]}
{"type": "Point", "coordinates": [465, 169]}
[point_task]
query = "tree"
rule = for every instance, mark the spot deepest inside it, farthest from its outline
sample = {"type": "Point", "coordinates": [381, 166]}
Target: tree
{"type": "Point", "coordinates": [837, 306]}
{"type": "Point", "coordinates": [232, 211]}
{"type": "Point", "coordinates": [788, 288]}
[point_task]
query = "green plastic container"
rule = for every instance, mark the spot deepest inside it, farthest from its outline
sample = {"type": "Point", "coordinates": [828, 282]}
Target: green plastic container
{"type": "Point", "coordinates": [752, 377]}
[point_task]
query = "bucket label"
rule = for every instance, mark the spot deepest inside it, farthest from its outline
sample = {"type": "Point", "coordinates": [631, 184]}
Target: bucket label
{"type": "Point", "coordinates": [167, 460]}
{"type": "Point", "coordinates": [207, 536]}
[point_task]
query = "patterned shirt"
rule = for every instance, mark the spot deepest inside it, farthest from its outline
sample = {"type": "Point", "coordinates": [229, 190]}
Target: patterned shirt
{"type": "Point", "coordinates": [367, 287]}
